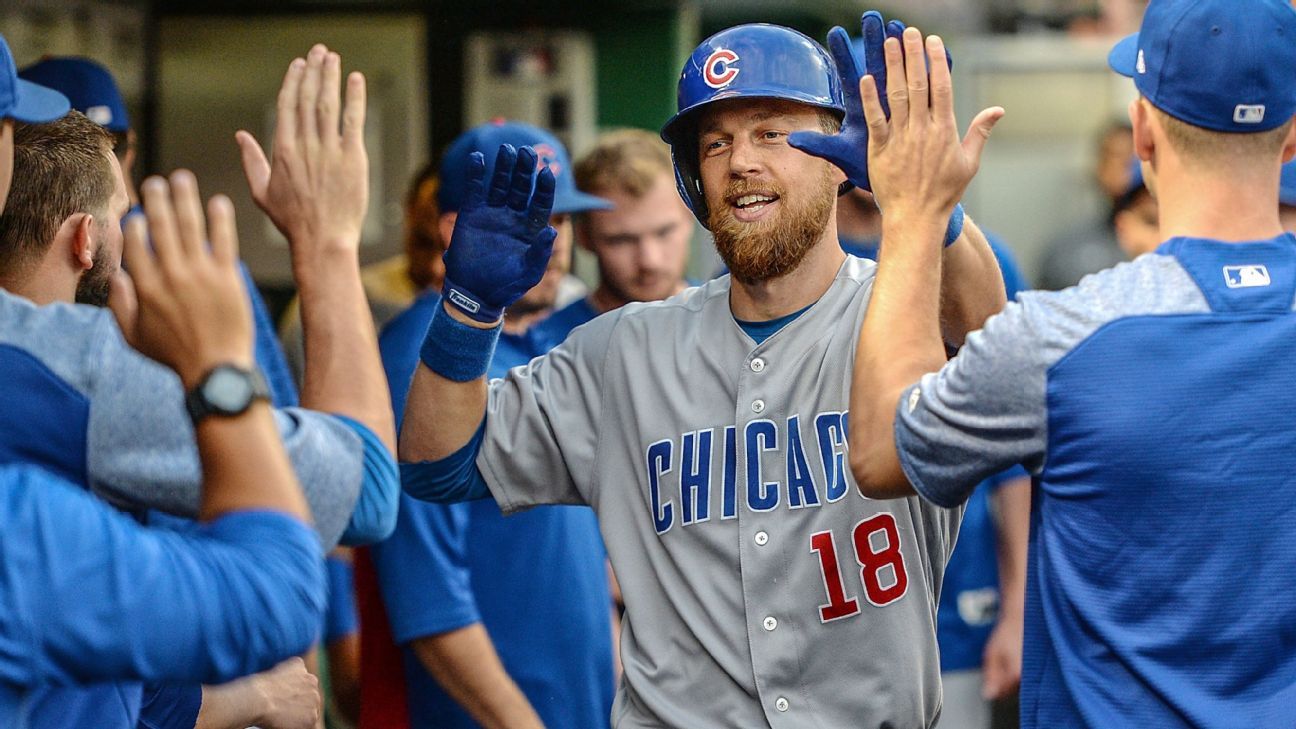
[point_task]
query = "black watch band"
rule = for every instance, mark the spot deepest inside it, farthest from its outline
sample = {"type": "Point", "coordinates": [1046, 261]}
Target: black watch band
{"type": "Point", "coordinates": [226, 390]}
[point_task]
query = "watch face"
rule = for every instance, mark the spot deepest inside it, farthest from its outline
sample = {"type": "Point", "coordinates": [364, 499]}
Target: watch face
{"type": "Point", "coordinates": [227, 389]}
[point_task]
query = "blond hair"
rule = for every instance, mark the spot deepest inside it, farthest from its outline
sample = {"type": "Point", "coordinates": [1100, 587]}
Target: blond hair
{"type": "Point", "coordinates": [628, 161]}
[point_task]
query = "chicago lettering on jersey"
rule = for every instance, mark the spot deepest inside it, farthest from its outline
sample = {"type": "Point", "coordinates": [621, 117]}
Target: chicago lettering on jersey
{"type": "Point", "coordinates": [794, 463]}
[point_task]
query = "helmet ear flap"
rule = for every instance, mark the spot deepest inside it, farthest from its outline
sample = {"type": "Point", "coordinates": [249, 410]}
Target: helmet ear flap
{"type": "Point", "coordinates": [688, 177]}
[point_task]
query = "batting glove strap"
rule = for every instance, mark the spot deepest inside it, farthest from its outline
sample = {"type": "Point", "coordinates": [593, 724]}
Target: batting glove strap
{"type": "Point", "coordinates": [455, 350]}
{"type": "Point", "coordinates": [955, 227]}
{"type": "Point", "coordinates": [470, 304]}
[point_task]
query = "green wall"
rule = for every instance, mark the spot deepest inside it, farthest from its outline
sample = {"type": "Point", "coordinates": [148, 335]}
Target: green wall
{"type": "Point", "coordinates": [639, 59]}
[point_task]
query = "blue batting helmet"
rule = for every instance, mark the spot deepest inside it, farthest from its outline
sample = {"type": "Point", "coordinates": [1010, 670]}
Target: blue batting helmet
{"type": "Point", "coordinates": [755, 61]}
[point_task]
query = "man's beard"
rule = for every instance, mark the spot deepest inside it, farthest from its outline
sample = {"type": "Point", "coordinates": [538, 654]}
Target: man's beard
{"type": "Point", "coordinates": [95, 284]}
{"type": "Point", "coordinates": [768, 249]}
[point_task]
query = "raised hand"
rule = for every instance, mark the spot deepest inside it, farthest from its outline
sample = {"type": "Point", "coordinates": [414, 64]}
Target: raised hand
{"type": "Point", "coordinates": [918, 164]}
{"type": "Point", "coordinates": [183, 303]}
{"type": "Point", "coordinates": [317, 189]}
{"type": "Point", "coordinates": [502, 238]}
{"type": "Point", "coordinates": [848, 149]}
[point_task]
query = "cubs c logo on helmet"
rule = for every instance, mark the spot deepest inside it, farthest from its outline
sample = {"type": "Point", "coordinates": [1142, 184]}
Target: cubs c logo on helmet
{"type": "Point", "coordinates": [719, 70]}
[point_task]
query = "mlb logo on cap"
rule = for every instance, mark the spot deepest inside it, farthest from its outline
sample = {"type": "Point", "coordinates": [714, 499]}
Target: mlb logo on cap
{"type": "Point", "coordinates": [1245, 114]}
{"type": "Point", "coordinates": [1223, 65]}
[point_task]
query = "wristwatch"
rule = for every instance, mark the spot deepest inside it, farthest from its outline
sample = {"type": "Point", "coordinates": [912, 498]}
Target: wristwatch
{"type": "Point", "coordinates": [226, 390]}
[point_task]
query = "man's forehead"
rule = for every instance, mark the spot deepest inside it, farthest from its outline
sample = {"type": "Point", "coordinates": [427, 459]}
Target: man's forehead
{"type": "Point", "coordinates": [748, 110]}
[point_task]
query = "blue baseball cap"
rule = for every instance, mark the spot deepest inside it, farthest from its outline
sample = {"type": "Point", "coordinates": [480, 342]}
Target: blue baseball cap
{"type": "Point", "coordinates": [25, 101]}
{"type": "Point", "coordinates": [88, 85]}
{"type": "Point", "coordinates": [487, 139]}
{"type": "Point", "coordinates": [1287, 187]}
{"type": "Point", "coordinates": [1224, 65]}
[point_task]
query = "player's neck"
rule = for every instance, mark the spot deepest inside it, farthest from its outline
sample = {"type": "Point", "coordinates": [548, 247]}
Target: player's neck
{"type": "Point", "coordinates": [794, 291]}
{"type": "Point", "coordinates": [1226, 207]}
{"type": "Point", "coordinates": [42, 284]}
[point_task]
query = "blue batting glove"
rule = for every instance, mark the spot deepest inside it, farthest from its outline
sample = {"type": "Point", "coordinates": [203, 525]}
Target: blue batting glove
{"type": "Point", "coordinates": [848, 149]}
{"type": "Point", "coordinates": [502, 239]}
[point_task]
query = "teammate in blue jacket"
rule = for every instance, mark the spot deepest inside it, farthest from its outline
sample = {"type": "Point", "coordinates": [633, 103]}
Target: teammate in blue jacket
{"type": "Point", "coordinates": [502, 622]}
{"type": "Point", "coordinates": [92, 91]}
{"type": "Point", "coordinates": [1152, 402]}
{"type": "Point", "coordinates": [87, 407]}
{"type": "Point", "coordinates": [79, 583]}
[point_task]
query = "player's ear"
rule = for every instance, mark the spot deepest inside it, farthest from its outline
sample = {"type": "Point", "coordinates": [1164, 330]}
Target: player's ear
{"type": "Point", "coordinates": [1289, 144]}
{"type": "Point", "coordinates": [1142, 122]}
{"type": "Point", "coordinates": [445, 226]}
{"type": "Point", "coordinates": [78, 236]}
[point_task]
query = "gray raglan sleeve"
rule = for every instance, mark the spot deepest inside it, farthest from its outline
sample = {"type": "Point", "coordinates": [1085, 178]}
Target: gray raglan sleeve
{"type": "Point", "coordinates": [985, 411]}
{"type": "Point", "coordinates": [542, 423]}
{"type": "Point", "coordinates": [141, 452]}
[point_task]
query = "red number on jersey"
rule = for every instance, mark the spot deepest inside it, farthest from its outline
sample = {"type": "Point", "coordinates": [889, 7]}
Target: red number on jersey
{"type": "Point", "coordinates": [838, 605]}
{"type": "Point", "coordinates": [874, 564]}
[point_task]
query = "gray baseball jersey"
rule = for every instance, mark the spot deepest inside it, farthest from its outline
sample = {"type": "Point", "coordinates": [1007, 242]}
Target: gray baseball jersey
{"type": "Point", "coordinates": [761, 588]}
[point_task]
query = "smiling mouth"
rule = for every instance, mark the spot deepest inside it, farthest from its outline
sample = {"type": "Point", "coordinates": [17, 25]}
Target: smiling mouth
{"type": "Point", "coordinates": [751, 206]}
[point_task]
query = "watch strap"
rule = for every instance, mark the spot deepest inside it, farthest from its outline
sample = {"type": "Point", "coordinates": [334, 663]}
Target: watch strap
{"type": "Point", "coordinates": [200, 407]}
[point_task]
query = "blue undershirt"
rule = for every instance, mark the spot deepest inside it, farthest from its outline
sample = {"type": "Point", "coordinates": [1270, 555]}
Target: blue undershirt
{"type": "Point", "coordinates": [759, 331]}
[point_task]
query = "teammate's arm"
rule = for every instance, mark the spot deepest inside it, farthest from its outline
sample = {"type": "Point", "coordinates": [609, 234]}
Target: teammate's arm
{"type": "Point", "coordinates": [316, 193]}
{"type": "Point", "coordinates": [246, 590]}
{"type": "Point", "coordinates": [285, 697]}
{"type": "Point", "coordinates": [919, 170]}
{"type": "Point", "coordinates": [183, 305]}
{"type": "Point", "coordinates": [465, 664]}
{"type": "Point", "coordinates": [1001, 663]}
{"type": "Point", "coordinates": [971, 285]}
{"type": "Point", "coordinates": [972, 288]}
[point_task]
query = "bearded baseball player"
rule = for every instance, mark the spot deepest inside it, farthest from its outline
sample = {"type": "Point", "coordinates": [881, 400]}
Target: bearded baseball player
{"type": "Point", "coordinates": [708, 430]}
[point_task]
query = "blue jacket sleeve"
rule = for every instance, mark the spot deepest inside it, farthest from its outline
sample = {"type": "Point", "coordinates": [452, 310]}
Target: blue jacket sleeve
{"type": "Point", "coordinates": [374, 516]}
{"type": "Point", "coordinates": [452, 479]}
{"type": "Point", "coordinates": [89, 595]}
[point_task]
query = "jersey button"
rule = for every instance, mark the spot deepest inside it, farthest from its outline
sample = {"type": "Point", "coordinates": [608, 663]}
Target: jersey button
{"type": "Point", "coordinates": [758, 365]}
{"type": "Point", "coordinates": [758, 407]}
{"type": "Point", "coordinates": [761, 539]}
{"type": "Point", "coordinates": [770, 623]}
{"type": "Point", "coordinates": [781, 704]}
